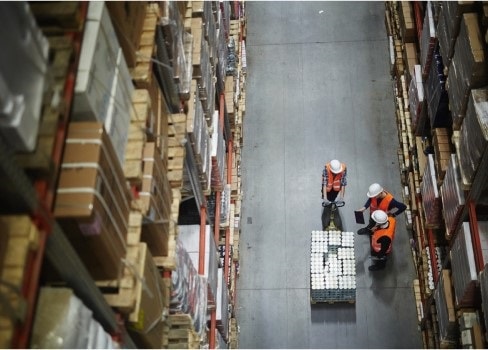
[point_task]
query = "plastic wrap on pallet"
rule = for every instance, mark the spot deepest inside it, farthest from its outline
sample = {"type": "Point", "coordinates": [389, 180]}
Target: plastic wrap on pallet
{"type": "Point", "coordinates": [174, 36]}
{"type": "Point", "coordinates": [448, 26]}
{"type": "Point", "coordinates": [222, 55]}
{"type": "Point", "coordinates": [231, 58]}
{"type": "Point", "coordinates": [189, 236]}
{"type": "Point", "coordinates": [243, 56]}
{"type": "Point", "coordinates": [436, 97]}
{"type": "Point", "coordinates": [225, 206]}
{"type": "Point", "coordinates": [416, 97]}
{"type": "Point", "coordinates": [446, 315]}
{"type": "Point", "coordinates": [473, 137]}
{"type": "Point", "coordinates": [63, 322]}
{"type": "Point", "coordinates": [469, 51]}
{"type": "Point", "coordinates": [484, 293]}
{"type": "Point", "coordinates": [430, 195]}
{"type": "Point", "coordinates": [188, 289]}
{"type": "Point", "coordinates": [210, 28]}
{"type": "Point", "coordinates": [468, 69]}
{"type": "Point", "coordinates": [452, 196]}
{"type": "Point", "coordinates": [217, 154]}
{"type": "Point", "coordinates": [483, 234]}
{"type": "Point", "coordinates": [223, 311]}
{"type": "Point", "coordinates": [428, 40]}
{"type": "Point", "coordinates": [463, 267]}
{"type": "Point", "coordinates": [23, 67]}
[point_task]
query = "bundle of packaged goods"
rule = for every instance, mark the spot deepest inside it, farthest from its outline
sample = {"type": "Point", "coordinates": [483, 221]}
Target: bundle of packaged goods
{"type": "Point", "coordinates": [92, 201]}
{"type": "Point", "coordinates": [64, 322]}
{"type": "Point", "coordinates": [23, 68]}
{"type": "Point", "coordinates": [103, 88]}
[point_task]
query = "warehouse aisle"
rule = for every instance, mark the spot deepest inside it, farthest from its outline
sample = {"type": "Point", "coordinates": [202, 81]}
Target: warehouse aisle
{"type": "Point", "coordinates": [318, 87]}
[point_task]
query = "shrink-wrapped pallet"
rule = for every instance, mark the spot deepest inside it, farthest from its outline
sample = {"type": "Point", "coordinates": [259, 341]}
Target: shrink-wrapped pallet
{"type": "Point", "coordinates": [436, 95]}
{"type": "Point", "coordinates": [484, 293]}
{"type": "Point", "coordinates": [452, 196]}
{"type": "Point", "coordinates": [428, 40]}
{"type": "Point", "coordinates": [223, 301]}
{"type": "Point", "coordinates": [188, 290]}
{"type": "Point", "coordinates": [483, 235]}
{"type": "Point", "coordinates": [63, 322]}
{"type": "Point", "coordinates": [473, 137]}
{"type": "Point", "coordinates": [463, 267]}
{"type": "Point", "coordinates": [189, 236]}
{"type": "Point", "coordinates": [430, 195]}
{"type": "Point", "coordinates": [416, 100]}
{"type": "Point", "coordinates": [448, 26]}
{"type": "Point", "coordinates": [446, 313]}
{"type": "Point", "coordinates": [218, 154]}
{"type": "Point", "coordinates": [469, 69]}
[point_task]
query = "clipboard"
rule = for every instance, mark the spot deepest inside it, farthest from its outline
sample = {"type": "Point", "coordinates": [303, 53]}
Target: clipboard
{"type": "Point", "coordinates": [359, 217]}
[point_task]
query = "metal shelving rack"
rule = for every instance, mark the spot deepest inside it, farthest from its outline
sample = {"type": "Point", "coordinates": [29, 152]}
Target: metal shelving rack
{"type": "Point", "coordinates": [35, 197]}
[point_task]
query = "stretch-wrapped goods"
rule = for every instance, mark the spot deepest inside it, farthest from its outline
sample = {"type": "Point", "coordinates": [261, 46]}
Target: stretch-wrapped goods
{"type": "Point", "coordinates": [188, 290]}
{"type": "Point", "coordinates": [468, 69]}
{"type": "Point", "coordinates": [448, 26]}
{"type": "Point", "coordinates": [428, 40]}
{"type": "Point", "coordinates": [463, 266]}
{"type": "Point", "coordinates": [446, 313]}
{"type": "Point", "coordinates": [452, 196]}
{"type": "Point", "coordinates": [430, 195]}
{"type": "Point", "coordinates": [473, 135]}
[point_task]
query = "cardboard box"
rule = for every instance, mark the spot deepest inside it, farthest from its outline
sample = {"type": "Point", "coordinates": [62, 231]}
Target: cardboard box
{"type": "Point", "coordinates": [93, 201]}
{"type": "Point", "coordinates": [156, 198]}
{"type": "Point", "coordinates": [145, 322]}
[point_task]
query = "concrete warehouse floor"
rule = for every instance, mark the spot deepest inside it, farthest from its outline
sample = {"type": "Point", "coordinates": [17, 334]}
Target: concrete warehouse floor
{"type": "Point", "coordinates": [318, 87]}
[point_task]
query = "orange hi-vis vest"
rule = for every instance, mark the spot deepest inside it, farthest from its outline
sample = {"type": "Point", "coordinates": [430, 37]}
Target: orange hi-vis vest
{"type": "Point", "coordinates": [334, 180]}
{"type": "Point", "coordinates": [383, 204]}
{"type": "Point", "coordinates": [389, 232]}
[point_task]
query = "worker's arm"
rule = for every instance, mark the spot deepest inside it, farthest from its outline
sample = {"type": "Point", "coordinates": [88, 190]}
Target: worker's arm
{"type": "Point", "coordinates": [366, 205]}
{"type": "Point", "coordinates": [324, 182]}
{"type": "Point", "coordinates": [396, 208]}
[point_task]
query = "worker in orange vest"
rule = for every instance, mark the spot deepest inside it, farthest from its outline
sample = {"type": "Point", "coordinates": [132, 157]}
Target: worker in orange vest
{"type": "Point", "coordinates": [381, 239]}
{"type": "Point", "coordinates": [334, 180]}
{"type": "Point", "coordinates": [378, 198]}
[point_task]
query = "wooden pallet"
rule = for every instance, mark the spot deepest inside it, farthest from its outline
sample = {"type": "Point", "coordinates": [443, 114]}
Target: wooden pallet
{"type": "Point", "coordinates": [169, 262]}
{"type": "Point", "coordinates": [176, 148]}
{"type": "Point", "coordinates": [19, 237]}
{"type": "Point", "coordinates": [180, 332]}
{"type": "Point", "coordinates": [140, 114]}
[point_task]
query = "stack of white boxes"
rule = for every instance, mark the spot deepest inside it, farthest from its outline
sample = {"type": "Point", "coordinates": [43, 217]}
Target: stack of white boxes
{"type": "Point", "coordinates": [103, 87]}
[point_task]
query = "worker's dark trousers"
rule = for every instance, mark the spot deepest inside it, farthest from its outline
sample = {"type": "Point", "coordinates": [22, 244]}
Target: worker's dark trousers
{"type": "Point", "coordinates": [332, 195]}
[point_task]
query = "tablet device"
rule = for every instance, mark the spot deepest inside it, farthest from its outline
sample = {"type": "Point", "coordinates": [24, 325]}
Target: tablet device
{"type": "Point", "coordinates": [359, 217]}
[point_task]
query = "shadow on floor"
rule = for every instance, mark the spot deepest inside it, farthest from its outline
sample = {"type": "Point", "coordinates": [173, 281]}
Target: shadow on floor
{"type": "Point", "coordinates": [344, 312]}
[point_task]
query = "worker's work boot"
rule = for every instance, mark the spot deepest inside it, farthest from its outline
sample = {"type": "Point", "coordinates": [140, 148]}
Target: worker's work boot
{"type": "Point", "coordinates": [378, 265]}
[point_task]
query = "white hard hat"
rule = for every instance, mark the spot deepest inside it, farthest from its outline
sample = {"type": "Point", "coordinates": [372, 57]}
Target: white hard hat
{"type": "Point", "coordinates": [379, 216]}
{"type": "Point", "coordinates": [335, 166]}
{"type": "Point", "coordinates": [374, 190]}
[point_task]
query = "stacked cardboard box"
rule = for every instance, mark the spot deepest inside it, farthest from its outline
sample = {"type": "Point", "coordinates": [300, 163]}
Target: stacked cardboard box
{"type": "Point", "coordinates": [155, 199]}
{"type": "Point", "coordinates": [92, 202]}
{"type": "Point", "coordinates": [442, 151]}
